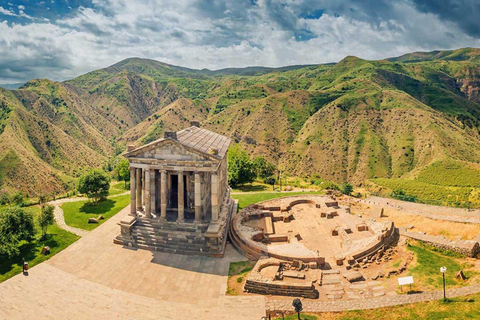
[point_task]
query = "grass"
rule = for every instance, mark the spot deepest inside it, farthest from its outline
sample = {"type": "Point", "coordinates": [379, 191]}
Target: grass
{"type": "Point", "coordinates": [450, 173]}
{"type": "Point", "coordinates": [426, 270]}
{"type": "Point", "coordinates": [433, 194]}
{"type": "Point", "coordinates": [237, 272]}
{"type": "Point", "coordinates": [77, 213]}
{"type": "Point", "coordinates": [57, 239]}
{"type": "Point", "coordinates": [247, 199]}
{"type": "Point", "coordinates": [117, 187]}
{"type": "Point", "coordinates": [454, 309]}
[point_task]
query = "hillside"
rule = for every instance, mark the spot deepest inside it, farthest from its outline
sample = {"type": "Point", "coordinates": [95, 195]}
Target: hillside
{"type": "Point", "coordinates": [351, 121]}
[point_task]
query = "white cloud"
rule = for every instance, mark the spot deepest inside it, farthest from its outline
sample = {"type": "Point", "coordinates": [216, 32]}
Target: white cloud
{"type": "Point", "coordinates": [213, 34]}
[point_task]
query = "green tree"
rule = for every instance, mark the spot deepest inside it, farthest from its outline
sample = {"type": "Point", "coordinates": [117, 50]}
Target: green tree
{"type": "Point", "coordinates": [17, 198]}
{"type": "Point", "coordinates": [46, 218]}
{"type": "Point", "coordinates": [271, 181]}
{"type": "Point", "coordinates": [240, 167]}
{"type": "Point", "coordinates": [123, 171]}
{"type": "Point", "coordinates": [15, 225]}
{"type": "Point", "coordinates": [263, 168]}
{"type": "Point", "coordinates": [4, 199]}
{"type": "Point", "coordinates": [328, 185]}
{"type": "Point", "coordinates": [94, 184]}
{"type": "Point", "coordinates": [347, 189]}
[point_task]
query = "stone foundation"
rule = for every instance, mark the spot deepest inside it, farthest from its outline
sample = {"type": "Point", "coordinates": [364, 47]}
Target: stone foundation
{"type": "Point", "coordinates": [258, 283]}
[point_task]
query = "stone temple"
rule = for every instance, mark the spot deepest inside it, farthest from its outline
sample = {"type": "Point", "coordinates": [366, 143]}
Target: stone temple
{"type": "Point", "coordinates": [180, 198]}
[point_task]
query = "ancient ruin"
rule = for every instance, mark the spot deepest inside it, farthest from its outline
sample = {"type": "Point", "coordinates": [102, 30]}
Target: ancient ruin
{"type": "Point", "coordinates": [180, 199]}
{"type": "Point", "coordinates": [309, 228]}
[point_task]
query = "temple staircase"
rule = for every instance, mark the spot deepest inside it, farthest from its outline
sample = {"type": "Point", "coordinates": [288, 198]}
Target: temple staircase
{"type": "Point", "coordinates": [170, 237]}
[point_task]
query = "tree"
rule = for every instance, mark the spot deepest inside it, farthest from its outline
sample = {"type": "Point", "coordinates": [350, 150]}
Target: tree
{"type": "Point", "coordinates": [17, 198]}
{"type": "Point", "coordinates": [123, 171]}
{"type": "Point", "coordinates": [263, 168]}
{"type": "Point", "coordinates": [94, 184]}
{"type": "Point", "coordinates": [240, 167]}
{"type": "Point", "coordinates": [15, 225]}
{"type": "Point", "coordinates": [271, 181]}
{"type": "Point", "coordinates": [4, 199]}
{"type": "Point", "coordinates": [347, 189]}
{"type": "Point", "coordinates": [46, 218]}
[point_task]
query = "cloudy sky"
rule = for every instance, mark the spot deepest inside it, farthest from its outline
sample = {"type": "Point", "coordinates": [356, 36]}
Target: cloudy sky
{"type": "Point", "coordinates": [60, 39]}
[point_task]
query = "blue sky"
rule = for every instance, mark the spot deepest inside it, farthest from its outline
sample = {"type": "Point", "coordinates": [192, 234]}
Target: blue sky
{"type": "Point", "coordinates": [60, 39]}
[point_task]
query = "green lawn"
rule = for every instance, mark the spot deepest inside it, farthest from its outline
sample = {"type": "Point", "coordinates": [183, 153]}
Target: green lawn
{"type": "Point", "coordinates": [426, 271]}
{"type": "Point", "coordinates": [57, 239]}
{"type": "Point", "coordinates": [454, 309]}
{"type": "Point", "coordinates": [117, 187]}
{"type": "Point", "coordinates": [246, 199]}
{"type": "Point", "coordinates": [77, 213]}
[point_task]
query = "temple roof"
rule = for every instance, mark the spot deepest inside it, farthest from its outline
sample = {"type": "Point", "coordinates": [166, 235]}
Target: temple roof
{"type": "Point", "coordinates": [200, 139]}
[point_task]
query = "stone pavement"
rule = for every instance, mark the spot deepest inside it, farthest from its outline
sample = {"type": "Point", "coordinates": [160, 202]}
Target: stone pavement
{"type": "Point", "coordinates": [96, 279]}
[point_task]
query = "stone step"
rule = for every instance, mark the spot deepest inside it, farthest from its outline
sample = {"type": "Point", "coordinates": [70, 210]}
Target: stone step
{"type": "Point", "coordinates": [171, 244]}
{"type": "Point", "coordinates": [171, 250]}
{"type": "Point", "coordinates": [172, 237]}
{"type": "Point", "coordinates": [185, 227]}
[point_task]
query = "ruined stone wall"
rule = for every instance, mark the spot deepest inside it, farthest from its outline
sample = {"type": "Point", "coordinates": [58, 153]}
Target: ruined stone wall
{"type": "Point", "coordinates": [469, 248]}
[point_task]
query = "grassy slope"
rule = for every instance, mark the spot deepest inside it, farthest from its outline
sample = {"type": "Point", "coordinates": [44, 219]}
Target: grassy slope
{"type": "Point", "coordinates": [57, 239]}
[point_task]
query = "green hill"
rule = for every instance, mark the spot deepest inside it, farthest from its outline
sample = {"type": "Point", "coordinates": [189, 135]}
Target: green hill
{"type": "Point", "coordinates": [350, 121]}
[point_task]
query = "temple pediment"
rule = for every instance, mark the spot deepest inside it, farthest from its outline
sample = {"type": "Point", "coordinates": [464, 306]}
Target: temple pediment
{"type": "Point", "coordinates": [169, 149]}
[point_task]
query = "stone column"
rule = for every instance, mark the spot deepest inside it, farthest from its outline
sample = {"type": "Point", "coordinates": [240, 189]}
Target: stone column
{"type": "Point", "coordinates": [215, 206]}
{"type": "Point", "coordinates": [133, 195]}
{"type": "Point", "coordinates": [153, 204]}
{"type": "Point", "coordinates": [148, 213]}
{"type": "Point", "coordinates": [163, 196]}
{"type": "Point", "coordinates": [198, 197]}
{"type": "Point", "coordinates": [138, 179]}
{"type": "Point", "coordinates": [181, 207]}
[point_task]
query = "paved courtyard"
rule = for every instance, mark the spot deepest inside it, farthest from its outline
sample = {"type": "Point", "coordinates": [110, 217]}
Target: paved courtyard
{"type": "Point", "coordinates": [96, 279]}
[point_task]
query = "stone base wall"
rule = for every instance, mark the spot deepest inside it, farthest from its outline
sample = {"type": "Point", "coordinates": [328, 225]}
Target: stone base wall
{"type": "Point", "coordinates": [469, 248]}
{"type": "Point", "coordinates": [257, 283]}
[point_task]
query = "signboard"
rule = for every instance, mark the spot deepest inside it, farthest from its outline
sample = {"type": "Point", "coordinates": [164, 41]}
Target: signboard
{"type": "Point", "coordinates": [405, 280]}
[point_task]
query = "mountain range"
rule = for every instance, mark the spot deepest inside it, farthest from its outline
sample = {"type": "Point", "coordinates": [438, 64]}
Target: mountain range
{"type": "Point", "coordinates": [350, 121]}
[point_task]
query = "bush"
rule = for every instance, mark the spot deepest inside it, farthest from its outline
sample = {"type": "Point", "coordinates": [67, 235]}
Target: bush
{"type": "Point", "coordinates": [95, 184]}
{"type": "Point", "coordinates": [15, 225]}
{"type": "Point", "coordinates": [347, 189]}
{"type": "Point", "coordinates": [328, 185]}
{"type": "Point", "coordinates": [4, 199]}
{"type": "Point", "coordinates": [17, 199]}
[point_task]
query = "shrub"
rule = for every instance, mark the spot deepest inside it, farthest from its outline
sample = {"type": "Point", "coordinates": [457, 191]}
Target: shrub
{"type": "Point", "coordinates": [17, 198]}
{"type": "Point", "coordinates": [328, 185]}
{"type": "Point", "coordinates": [347, 189]}
{"type": "Point", "coordinates": [4, 199]}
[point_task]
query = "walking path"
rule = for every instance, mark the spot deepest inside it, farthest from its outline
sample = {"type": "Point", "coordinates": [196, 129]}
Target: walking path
{"type": "Point", "coordinates": [429, 211]}
{"type": "Point", "coordinates": [60, 219]}
{"type": "Point", "coordinates": [371, 303]}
